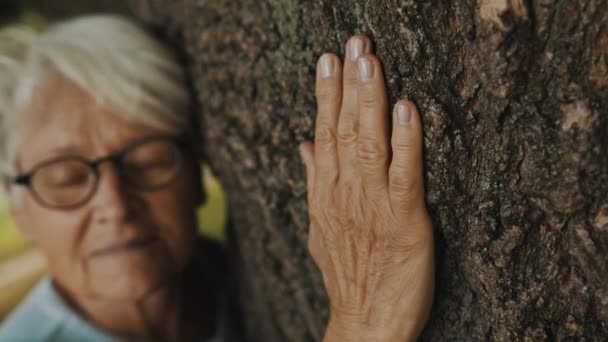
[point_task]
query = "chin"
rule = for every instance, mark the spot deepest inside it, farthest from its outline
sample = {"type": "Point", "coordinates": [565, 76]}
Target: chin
{"type": "Point", "coordinates": [133, 287]}
{"type": "Point", "coordinates": [131, 280]}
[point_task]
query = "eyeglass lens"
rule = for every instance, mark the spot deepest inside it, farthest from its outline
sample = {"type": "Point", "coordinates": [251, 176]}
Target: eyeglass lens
{"type": "Point", "coordinates": [68, 182]}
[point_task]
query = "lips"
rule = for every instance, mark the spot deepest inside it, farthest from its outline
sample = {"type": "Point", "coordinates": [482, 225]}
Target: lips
{"type": "Point", "coordinates": [124, 247]}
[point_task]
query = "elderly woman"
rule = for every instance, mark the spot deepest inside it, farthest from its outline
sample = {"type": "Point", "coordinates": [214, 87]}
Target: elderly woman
{"type": "Point", "coordinates": [98, 157]}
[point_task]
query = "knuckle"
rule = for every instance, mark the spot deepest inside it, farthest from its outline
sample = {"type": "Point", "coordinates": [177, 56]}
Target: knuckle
{"type": "Point", "coordinates": [371, 151]}
{"type": "Point", "coordinates": [402, 182]}
{"type": "Point", "coordinates": [403, 146]}
{"type": "Point", "coordinates": [347, 129]}
{"type": "Point", "coordinates": [351, 80]}
{"type": "Point", "coordinates": [368, 100]}
{"type": "Point", "coordinates": [403, 247]}
{"type": "Point", "coordinates": [324, 134]}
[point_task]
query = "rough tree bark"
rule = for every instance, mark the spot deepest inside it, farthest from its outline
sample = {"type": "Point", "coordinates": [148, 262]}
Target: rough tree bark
{"type": "Point", "coordinates": [514, 98]}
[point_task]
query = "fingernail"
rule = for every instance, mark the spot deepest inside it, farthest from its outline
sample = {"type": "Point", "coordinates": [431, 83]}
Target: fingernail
{"type": "Point", "coordinates": [304, 154]}
{"type": "Point", "coordinates": [355, 48]}
{"type": "Point", "coordinates": [301, 151]}
{"type": "Point", "coordinates": [403, 114]}
{"type": "Point", "coordinates": [366, 69]}
{"type": "Point", "coordinates": [327, 67]}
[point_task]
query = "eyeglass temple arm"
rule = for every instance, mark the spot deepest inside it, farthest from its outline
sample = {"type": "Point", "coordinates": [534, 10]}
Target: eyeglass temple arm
{"type": "Point", "coordinates": [20, 180]}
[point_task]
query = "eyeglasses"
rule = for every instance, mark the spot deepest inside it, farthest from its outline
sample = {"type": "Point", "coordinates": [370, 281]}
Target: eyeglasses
{"type": "Point", "coordinates": [70, 181]}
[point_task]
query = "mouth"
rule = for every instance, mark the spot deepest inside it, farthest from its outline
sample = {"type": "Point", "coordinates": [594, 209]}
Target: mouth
{"type": "Point", "coordinates": [125, 247]}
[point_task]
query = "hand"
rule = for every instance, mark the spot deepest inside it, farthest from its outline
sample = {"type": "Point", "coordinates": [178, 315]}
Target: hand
{"type": "Point", "coordinates": [370, 232]}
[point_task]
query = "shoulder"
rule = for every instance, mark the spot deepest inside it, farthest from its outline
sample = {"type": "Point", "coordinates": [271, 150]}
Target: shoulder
{"type": "Point", "coordinates": [32, 312]}
{"type": "Point", "coordinates": [43, 316]}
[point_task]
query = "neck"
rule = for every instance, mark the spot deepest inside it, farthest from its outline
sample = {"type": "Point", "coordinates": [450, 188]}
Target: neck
{"type": "Point", "coordinates": [181, 310]}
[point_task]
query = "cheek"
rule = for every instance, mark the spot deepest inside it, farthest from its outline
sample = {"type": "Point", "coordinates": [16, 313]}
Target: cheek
{"type": "Point", "coordinates": [175, 217]}
{"type": "Point", "coordinates": [59, 236]}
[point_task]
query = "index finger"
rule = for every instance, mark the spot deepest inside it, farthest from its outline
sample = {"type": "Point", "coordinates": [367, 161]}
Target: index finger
{"type": "Point", "coordinates": [329, 97]}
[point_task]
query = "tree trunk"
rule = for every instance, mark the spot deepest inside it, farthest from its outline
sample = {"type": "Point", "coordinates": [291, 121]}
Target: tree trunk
{"type": "Point", "coordinates": [514, 99]}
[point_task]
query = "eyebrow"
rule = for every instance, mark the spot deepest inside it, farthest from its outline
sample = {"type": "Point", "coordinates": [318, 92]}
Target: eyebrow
{"type": "Point", "coordinates": [63, 150]}
{"type": "Point", "coordinates": [70, 149]}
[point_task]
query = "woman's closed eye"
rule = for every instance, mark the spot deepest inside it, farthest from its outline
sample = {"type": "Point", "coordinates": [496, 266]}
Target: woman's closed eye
{"type": "Point", "coordinates": [149, 164]}
{"type": "Point", "coordinates": [64, 175]}
{"type": "Point", "coordinates": [155, 155]}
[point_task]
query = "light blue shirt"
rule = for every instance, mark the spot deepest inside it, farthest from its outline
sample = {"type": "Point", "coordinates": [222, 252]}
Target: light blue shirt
{"type": "Point", "coordinates": [44, 316]}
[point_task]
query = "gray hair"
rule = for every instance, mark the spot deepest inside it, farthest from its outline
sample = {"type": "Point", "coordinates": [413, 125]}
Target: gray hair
{"type": "Point", "coordinates": [112, 59]}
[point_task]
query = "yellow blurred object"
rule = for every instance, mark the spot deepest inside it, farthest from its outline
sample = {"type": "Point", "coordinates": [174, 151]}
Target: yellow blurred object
{"type": "Point", "coordinates": [11, 241]}
{"type": "Point", "coordinates": [212, 216]}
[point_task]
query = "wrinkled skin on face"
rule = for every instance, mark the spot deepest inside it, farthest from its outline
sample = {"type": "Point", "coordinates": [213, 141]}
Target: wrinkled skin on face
{"type": "Point", "coordinates": [63, 120]}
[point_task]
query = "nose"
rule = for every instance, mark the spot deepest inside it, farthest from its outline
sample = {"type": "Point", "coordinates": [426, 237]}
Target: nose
{"type": "Point", "coordinates": [111, 200]}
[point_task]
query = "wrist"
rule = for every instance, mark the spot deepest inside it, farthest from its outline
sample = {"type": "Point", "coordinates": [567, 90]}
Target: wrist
{"type": "Point", "coordinates": [343, 330]}
{"type": "Point", "coordinates": [351, 330]}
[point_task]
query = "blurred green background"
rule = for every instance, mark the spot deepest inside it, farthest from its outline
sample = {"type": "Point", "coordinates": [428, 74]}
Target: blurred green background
{"type": "Point", "coordinates": [21, 264]}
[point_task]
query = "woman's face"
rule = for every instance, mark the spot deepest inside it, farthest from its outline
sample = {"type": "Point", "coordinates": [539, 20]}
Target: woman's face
{"type": "Point", "coordinates": [95, 250]}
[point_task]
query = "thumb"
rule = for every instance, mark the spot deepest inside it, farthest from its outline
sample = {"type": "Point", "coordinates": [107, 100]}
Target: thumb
{"type": "Point", "coordinates": [307, 152]}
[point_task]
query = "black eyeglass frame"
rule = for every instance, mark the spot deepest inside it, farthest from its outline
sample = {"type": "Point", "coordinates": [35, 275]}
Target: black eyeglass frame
{"type": "Point", "coordinates": [181, 146]}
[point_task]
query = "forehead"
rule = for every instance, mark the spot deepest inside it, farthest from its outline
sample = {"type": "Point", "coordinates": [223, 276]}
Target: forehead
{"type": "Point", "coordinates": [63, 118]}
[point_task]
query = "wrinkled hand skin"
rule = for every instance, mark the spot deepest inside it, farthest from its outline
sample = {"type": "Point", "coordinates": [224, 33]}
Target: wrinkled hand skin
{"type": "Point", "coordinates": [370, 232]}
